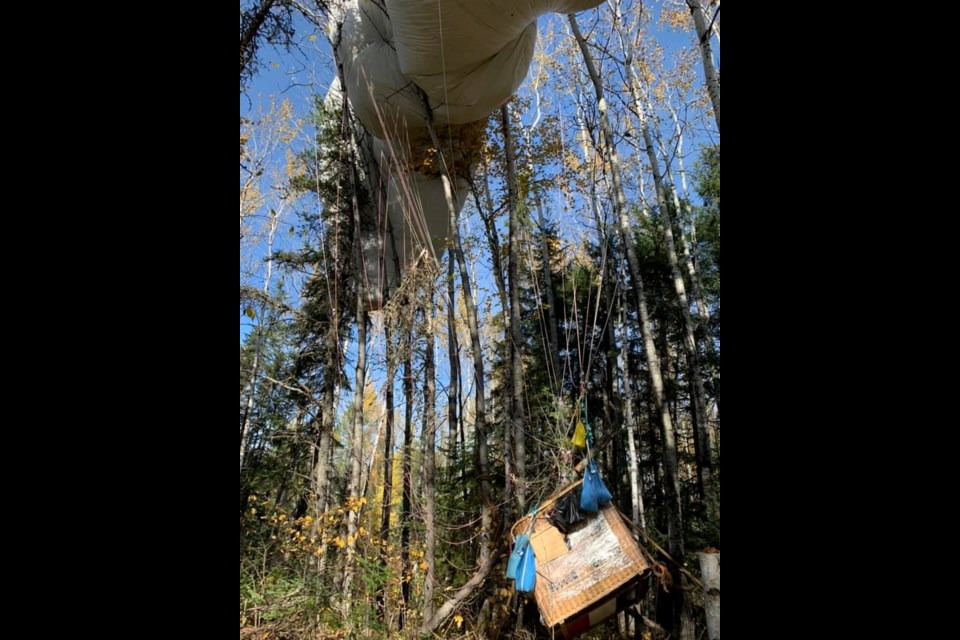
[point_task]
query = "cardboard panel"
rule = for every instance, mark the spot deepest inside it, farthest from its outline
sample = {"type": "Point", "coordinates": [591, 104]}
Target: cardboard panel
{"type": "Point", "coordinates": [547, 542]}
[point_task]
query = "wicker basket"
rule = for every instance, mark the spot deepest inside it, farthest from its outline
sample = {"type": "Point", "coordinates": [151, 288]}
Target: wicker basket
{"type": "Point", "coordinates": [601, 560]}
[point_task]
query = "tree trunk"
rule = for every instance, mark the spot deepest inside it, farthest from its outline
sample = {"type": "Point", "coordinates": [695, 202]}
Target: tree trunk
{"type": "Point", "coordinates": [690, 261]}
{"type": "Point", "coordinates": [710, 75]}
{"type": "Point", "coordinates": [516, 339]}
{"type": "Point", "coordinates": [251, 392]}
{"type": "Point", "coordinates": [453, 353]}
{"type": "Point", "coordinates": [493, 242]}
{"type": "Point", "coordinates": [429, 459]}
{"type": "Point", "coordinates": [407, 464]}
{"type": "Point", "coordinates": [321, 470]}
{"type": "Point", "coordinates": [386, 504]}
{"type": "Point", "coordinates": [636, 495]}
{"type": "Point", "coordinates": [486, 558]}
{"type": "Point", "coordinates": [710, 572]}
{"type": "Point", "coordinates": [697, 395]}
{"type": "Point", "coordinates": [703, 311]}
{"type": "Point", "coordinates": [550, 301]}
{"type": "Point", "coordinates": [356, 455]}
{"type": "Point", "coordinates": [480, 426]}
{"type": "Point", "coordinates": [555, 374]}
{"type": "Point", "coordinates": [248, 36]}
{"type": "Point", "coordinates": [490, 226]}
{"type": "Point", "coordinates": [675, 529]}
{"type": "Point", "coordinates": [258, 348]}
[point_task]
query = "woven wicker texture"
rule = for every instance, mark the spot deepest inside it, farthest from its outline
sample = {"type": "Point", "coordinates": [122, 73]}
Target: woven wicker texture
{"type": "Point", "coordinates": [603, 557]}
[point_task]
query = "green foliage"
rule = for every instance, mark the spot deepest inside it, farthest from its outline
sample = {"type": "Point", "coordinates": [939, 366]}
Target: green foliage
{"type": "Point", "coordinates": [326, 174]}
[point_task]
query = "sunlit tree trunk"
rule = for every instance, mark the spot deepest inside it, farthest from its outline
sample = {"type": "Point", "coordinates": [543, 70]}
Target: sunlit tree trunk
{"type": "Point", "coordinates": [386, 505]}
{"type": "Point", "coordinates": [356, 444]}
{"type": "Point", "coordinates": [486, 559]}
{"type": "Point", "coordinates": [454, 359]}
{"type": "Point", "coordinates": [407, 474]}
{"type": "Point", "coordinates": [697, 394]}
{"type": "Point", "coordinates": [675, 529]}
{"type": "Point", "coordinates": [261, 333]}
{"type": "Point", "coordinates": [633, 464]}
{"type": "Point", "coordinates": [703, 311]}
{"type": "Point", "coordinates": [487, 215]}
{"type": "Point", "coordinates": [516, 413]}
{"type": "Point", "coordinates": [710, 571]}
{"type": "Point", "coordinates": [321, 470]}
{"type": "Point", "coordinates": [429, 452]}
{"type": "Point", "coordinates": [710, 75]}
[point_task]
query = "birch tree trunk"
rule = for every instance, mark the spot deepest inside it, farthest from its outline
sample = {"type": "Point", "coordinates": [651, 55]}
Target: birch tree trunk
{"type": "Point", "coordinates": [516, 339]}
{"type": "Point", "coordinates": [429, 453]}
{"type": "Point", "coordinates": [356, 445]}
{"type": "Point", "coordinates": [480, 426]}
{"type": "Point", "coordinates": [703, 311]}
{"type": "Point", "coordinates": [453, 354]}
{"type": "Point", "coordinates": [674, 514]}
{"type": "Point", "coordinates": [633, 465]}
{"type": "Point", "coordinates": [486, 559]}
{"type": "Point", "coordinates": [698, 396]}
{"type": "Point", "coordinates": [710, 75]}
{"type": "Point", "coordinates": [486, 214]}
{"type": "Point", "coordinates": [321, 470]}
{"type": "Point", "coordinates": [258, 348]}
{"type": "Point", "coordinates": [386, 505]}
{"type": "Point", "coordinates": [407, 466]}
{"type": "Point", "coordinates": [710, 571]}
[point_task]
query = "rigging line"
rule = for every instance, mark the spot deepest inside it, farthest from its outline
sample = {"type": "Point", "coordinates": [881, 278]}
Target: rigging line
{"type": "Point", "coordinates": [412, 209]}
{"type": "Point", "coordinates": [576, 326]}
{"type": "Point", "coordinates": [596, 311]}
{"type": "Point", "coordinates": [593, 328]}
{"type": "Point", "coordinates": [542, 318]}
{"type": "Point", "coordinates": [543, 324]}
{"type": "Point", "coordinates": [562, 206]}
{"type": "Point", "coordinates": [606, 322]}
{"type": "Point", "coordinates": [443, 70]}
{"type": "Point", "coordinates": [607, 246]}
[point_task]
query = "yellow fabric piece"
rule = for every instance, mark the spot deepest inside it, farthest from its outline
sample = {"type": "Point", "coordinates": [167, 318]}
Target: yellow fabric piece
{"type": "Point", "coordinates": [580, 436]}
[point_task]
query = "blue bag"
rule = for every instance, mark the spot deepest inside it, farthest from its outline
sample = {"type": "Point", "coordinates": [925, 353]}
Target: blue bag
{"type": "Point", "coordinates": [526, 571]}
{"type": "Point", "coordinates": [514, 561]}
{"type": "Point", "coordinates": [593, 493]}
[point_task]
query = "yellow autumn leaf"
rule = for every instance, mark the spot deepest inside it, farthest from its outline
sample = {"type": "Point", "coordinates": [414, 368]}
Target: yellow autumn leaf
{"type": "Point", "coordinates": [423, 565]}
{"type": "Point", "coordinates": [458, 619]}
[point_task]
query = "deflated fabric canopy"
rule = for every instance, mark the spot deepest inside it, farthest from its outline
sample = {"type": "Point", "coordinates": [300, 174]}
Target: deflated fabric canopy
{"type": "Point", "coordinates": [465, 58]}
